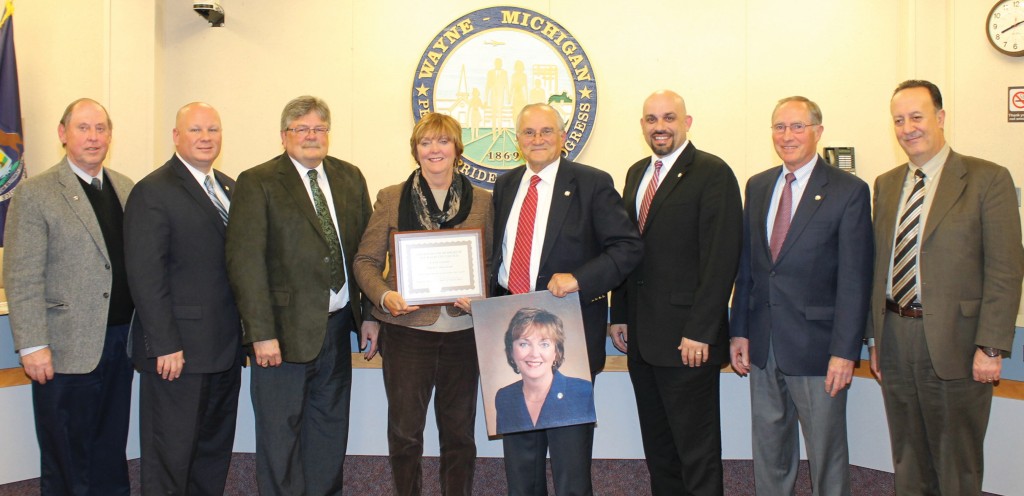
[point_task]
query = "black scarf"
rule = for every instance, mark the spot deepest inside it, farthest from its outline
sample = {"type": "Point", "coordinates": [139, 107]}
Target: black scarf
{"type": "Point", "coordinates": [418, 211]}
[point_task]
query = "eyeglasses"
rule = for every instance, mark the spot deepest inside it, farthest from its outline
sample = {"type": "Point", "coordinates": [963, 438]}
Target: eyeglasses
{"type": "Point", "coordinates": [531, 134]}
{"type": "Point", "coordinates": [796, 128]}
{"type": "Point", "coordinates": [304, 130]}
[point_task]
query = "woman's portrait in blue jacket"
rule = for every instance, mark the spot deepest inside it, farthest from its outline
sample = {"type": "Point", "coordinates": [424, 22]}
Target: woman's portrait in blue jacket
{"type": "Point", "coordinates": [543, 398]}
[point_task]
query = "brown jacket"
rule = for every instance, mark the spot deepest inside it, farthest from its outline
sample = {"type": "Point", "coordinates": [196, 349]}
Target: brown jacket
{"type": "Point", "coordinates": [377, 248]}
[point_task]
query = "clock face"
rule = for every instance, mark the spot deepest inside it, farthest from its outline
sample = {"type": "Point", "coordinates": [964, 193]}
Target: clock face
{"type": "Point", "coordinates": [1005, 27]}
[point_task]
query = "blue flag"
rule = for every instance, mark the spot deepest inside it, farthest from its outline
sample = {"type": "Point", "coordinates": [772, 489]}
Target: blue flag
{"type": "Point", "coordinates": [12, 148]}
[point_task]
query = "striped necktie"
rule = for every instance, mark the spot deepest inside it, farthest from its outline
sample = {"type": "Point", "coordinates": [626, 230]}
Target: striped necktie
{"type": "Point", "coordinates": [223, 212]}
{"type": "Point", "coordinates": [645, 204]}
{"type": "Point", "coordinates": [904, 258]}
{"type": "Point", "coordinates": [519, 271]}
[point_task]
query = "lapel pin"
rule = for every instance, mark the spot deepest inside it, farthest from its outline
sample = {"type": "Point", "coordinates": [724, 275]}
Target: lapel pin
{"type": "Point", "coordinates": [817, 197]}
{"type": "Point", "coordinates": [567, 193]}
{"type": "Point", "coordinates": [560, 395]}
{"type": "Point", "coordinates": [679, 175]}
{"type": "Point", "coordinates": [75, 197]}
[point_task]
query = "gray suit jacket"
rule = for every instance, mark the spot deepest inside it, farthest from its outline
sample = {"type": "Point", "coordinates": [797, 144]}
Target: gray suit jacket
{"type": "Point", "coordinates": [278, 258]}
{"type": "Point", "coordinates": [57, 269]}
{"type": "Point", "coordinates": [971, 261]}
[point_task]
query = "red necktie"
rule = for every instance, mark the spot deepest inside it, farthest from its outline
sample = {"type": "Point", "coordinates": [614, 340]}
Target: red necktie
{"type": "Point", "coordinates": [783, 217]}
{"type": "Point", "coordinates": [519, 273]}
{"type": "Point", "coordinates": [645, 204]}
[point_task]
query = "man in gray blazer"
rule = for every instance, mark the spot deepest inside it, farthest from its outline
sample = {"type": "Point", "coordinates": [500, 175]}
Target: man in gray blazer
{"type": "Point", "coordinates": [70, 308]}
{"type": "Point", "coordinates": [295, 227]}
{"type": "Point", "coordinates": [945, 292]}
{"type": "Point", "coordinates": [186, 336]}
{"type": "Point", "coordinates": [800, 304]}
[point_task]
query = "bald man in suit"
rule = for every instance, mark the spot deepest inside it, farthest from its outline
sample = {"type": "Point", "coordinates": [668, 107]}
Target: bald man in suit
{"type": "Point", "coordinates": [945, 292]}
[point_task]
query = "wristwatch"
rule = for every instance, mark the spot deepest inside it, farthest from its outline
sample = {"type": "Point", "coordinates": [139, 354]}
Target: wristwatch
{"type": "Point", "coordinates": [990, 351]}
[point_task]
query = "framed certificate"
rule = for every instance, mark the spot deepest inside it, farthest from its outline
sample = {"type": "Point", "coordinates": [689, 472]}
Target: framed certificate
{"type": "Point", "coordinates": [439, 267]}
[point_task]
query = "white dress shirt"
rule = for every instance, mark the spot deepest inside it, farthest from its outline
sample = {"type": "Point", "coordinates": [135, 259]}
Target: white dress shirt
{"type": "Point", "coordinates": [666, 163]}
{"type": "Point", "coordinates": [201, 179]}
{"type": "Point", "coordinates": [545, 189]}
{"type": "Point", "coordinates": [339, 299]}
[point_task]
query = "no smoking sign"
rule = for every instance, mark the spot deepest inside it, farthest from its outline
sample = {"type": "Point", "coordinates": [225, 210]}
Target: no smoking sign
{"type": "Point", "coordinates": [1015, 104]}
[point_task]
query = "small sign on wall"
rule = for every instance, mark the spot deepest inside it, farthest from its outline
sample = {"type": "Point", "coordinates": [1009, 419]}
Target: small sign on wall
{"type": "Point", "coordinates": [1015, 104]}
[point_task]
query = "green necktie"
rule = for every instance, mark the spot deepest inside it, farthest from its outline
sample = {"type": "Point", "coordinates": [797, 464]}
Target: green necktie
{"type": "Point", "coordinates": [330, 234]}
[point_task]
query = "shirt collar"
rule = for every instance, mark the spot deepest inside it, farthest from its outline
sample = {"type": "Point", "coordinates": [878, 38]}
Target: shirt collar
{"type": "Point", "coordinates": [931, 167]}
{"type": "Point", "coordinates": [85, 175]}
{"type": "Point", "coordinates": [671, 158]}
{"type": "Point", "coordinates": [303, 170]}
{"type": "Point", "coordinates": [547, 174]}
{"type": "Point", "coordinates": [198, 174]}
{"type": "Point", "coordinates": [803, 172]}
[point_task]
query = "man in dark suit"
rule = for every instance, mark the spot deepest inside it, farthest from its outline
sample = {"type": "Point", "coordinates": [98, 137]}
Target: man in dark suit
{"type": "Point", "coordinates": [560, 226]}
{"type": "Point", "coordinates": [296, 222]}
{"type": "Point", "coordinates": [64, 271]}
{"type": "Point", "coordinates": [945, 292]}
{"type": "Point", "coordinates": [186, 332]}
{"type": "Point", "coordinates": [673, 309]}
{"type": "Point", "coordinates": [800, 304]}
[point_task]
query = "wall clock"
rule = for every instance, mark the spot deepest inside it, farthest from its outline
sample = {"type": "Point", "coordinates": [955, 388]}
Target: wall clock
{"type": "Point", "coordinates": [1005, 27]}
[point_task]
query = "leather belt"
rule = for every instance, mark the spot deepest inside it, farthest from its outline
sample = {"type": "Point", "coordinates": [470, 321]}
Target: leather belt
{"type": "Point", "coordinates": [913, 311]}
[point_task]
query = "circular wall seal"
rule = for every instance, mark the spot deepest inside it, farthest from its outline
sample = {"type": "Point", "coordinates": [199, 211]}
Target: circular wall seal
{"type": "Point", "coordinates": [484, 67]}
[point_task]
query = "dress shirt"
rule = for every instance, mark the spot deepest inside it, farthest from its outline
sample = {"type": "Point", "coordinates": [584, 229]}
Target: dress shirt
{"type": "Point", "coordinates": [201, 179]}
{"type": "Point", "coordinates": [666, 163]}
{"type": "Point", "coordinates": [799, 185]}
{"type": "Point", "coordinates": [932, 172]}
{"type": "Point", "coordinates": [545, 188]}
{"type": "Point", "coordinates": [85, 175]}
{"type": "Point", "coordinates": [339, 299]}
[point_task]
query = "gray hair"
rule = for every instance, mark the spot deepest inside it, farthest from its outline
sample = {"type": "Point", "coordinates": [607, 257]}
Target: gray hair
{"type": "Point", "coordinates": [303, 105]}
{"type": "Point", "coordinates": [812, 107]}
{"type": "Point", "coordinates": [544, 106]}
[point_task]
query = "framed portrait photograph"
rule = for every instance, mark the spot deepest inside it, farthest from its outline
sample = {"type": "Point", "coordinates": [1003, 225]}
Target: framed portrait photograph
{"type": "Point", "coordinates": [439, 267]}
{"type": "Point", "coordinates": [534, 370]}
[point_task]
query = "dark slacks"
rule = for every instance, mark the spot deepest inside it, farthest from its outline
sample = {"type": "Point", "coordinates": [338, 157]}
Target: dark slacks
{"type": "Point", "coordinates": [937, 427]}
{"type": "Point", "coordinates": [415, 363]}
{"type": "Point", "coordinates": [571, 451]}
{"type": "Point", "coordinates": [301, 412]}
{"type": "Point", "coordinates": [680, 425]}
{"type": "Point", "coordinates": [82, 425]}
{"type": "Point", "coordinates": [187, 431]}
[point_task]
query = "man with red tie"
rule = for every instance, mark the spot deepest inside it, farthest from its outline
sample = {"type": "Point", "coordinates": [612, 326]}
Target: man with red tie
{"type": "Point", "coordinates": [800, 305]}
{"type": "Point", "coordinates": [559, 226]}
{"type": "Point", "coordinates": [670, 317]}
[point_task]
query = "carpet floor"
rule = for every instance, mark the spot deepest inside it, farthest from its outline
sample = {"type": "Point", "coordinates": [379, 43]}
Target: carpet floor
{"type": "Point", "coordinates": [371, 476]}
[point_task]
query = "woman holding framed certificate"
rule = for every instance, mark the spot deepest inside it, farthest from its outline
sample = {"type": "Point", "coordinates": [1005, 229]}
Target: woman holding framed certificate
{"type": "Point", "coordinates": [426, 348]}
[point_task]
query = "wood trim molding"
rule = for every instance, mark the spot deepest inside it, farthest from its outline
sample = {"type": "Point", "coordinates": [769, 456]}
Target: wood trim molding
{"type": "Point", "coordinates": [615, 363]}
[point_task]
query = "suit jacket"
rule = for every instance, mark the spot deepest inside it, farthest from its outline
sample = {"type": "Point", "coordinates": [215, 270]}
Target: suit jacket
{"type": "Point", "coordinates": [377, 248]}
{"type": "Point", "coordinates": [812, 302]}
{"type": "Point", "coordinates": [570, 401]}
{"type": "Point", "coordinates": [971, 261]}
{"type": "Point", "coordinates": [57, 270]}
{"type": "Point", "coordinates": [278, 259]}
{"type": "Point", "coordinates": [691, 248]}
{"type": "Point", "coordinates": [588, 235]}
{"type": "Point", "coordinates": [174, 251]}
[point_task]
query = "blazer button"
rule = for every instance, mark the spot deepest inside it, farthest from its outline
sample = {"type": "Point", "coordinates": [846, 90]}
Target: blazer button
{"type": "Point", "coordinates": [106, 295]}
{"type": "Point", "coordinates": [106, 266]}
